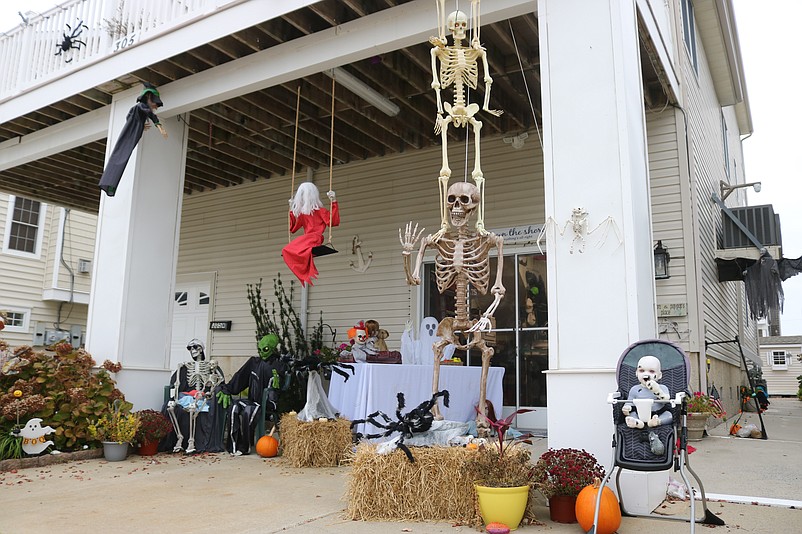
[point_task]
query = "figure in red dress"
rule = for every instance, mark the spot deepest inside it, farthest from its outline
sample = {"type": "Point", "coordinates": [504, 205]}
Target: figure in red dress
{"type": "Point", "coordinates": [307, 212]}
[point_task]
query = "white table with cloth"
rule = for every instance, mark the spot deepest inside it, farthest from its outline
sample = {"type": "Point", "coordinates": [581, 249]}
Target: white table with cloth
{"type": "Point", "coordinates": [375, 386]}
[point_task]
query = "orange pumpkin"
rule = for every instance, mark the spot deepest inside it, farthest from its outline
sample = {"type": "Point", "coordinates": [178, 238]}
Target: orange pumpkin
{"type": "Point", "coordinates": [609, 510]}
{"type": "Point", "coordinates": [267, 446]}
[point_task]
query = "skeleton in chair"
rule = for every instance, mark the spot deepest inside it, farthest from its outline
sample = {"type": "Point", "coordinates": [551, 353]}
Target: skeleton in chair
{"type": "Point", "coordinates": [463, 258]}
{"type": "Point", "coordinates": [199, 378]}
{"type": "Point", "coordinates": [459, 66]}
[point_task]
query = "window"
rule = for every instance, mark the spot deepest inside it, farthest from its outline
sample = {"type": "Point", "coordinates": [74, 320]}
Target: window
{"type": "Point", "coordinates": [689, 32]}
{"type": "Point", "coordinates": [17, 319]}
{"type": "Point", "coordinates": [519, 334]}
{"type": "Point", "coordinates": [23, 233]}
{"type": "Point", "coordinates": [778, 359]}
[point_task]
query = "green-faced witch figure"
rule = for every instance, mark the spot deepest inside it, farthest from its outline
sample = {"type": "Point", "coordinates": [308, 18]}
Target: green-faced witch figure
{"type": "Point", "coordinates": [136, 122]}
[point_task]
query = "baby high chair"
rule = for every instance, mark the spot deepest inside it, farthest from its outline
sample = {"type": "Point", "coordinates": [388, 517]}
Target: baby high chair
{"type": "Point", "coordinates": [645, 438]}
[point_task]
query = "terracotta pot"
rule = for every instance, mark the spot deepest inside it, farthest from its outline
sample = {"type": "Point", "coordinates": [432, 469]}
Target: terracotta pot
{"type": "Point", "coordinates": [562, 508]}
{"type": "Point", "coordinates": [696, 426]}
{"type": "Point", "coordinates": [148, 449]}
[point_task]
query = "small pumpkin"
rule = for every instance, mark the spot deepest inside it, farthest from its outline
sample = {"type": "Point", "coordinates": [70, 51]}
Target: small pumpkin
{"type": "Point", "coordinates": [267, 446]}
{"type": "Point", "coordinates": [609, 509]}
{"type": "Point", "coordinates": [497, 528]}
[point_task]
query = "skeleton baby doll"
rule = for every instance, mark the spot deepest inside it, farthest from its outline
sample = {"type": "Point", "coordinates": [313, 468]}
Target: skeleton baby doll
{"type": "Point", "coordinates": [264, 371]}
{"type": "Point", "coordinates": [136, 122]}
{"type": "Point", "coordinates": [648, 373]}
{"type": "Point", "coordinates": [307, 212]}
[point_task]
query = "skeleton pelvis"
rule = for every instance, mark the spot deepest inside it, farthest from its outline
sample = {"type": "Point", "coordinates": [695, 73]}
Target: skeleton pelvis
{"type": "Point", "coordinates": [461, 112]}
{"type": "Point", "coordinates": [455, 331]}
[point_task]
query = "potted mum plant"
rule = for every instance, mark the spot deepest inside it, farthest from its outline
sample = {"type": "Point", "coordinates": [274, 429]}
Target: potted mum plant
{"type": "Point", "coordinates": [153, 428]}
{"type": "Point", "coordinates": [560, 474]}
{"type": "Point", "coordinates": [700, 408]}
{"type": "Point", "coordinates": [116, 430]}
{"type": "Point", "coordinates": [503, 474]}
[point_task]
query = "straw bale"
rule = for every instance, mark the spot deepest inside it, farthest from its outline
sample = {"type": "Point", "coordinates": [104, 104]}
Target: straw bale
{"type": "Point", "coordinates": [437, 487]}
{"type": "Point", "coordinates": [314, 443]}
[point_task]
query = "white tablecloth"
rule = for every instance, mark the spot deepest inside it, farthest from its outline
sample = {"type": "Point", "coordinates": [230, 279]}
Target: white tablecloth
{"type": "Point", "coordinates": [375, 386]}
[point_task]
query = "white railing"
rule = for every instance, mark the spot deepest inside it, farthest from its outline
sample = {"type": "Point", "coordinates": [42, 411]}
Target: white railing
{"type": "Point", "coordinates": [32, 53]}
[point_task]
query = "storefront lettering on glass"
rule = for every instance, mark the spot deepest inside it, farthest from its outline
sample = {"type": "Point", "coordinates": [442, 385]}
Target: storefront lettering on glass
{"type": "Point", "coordinates": [519, 235]}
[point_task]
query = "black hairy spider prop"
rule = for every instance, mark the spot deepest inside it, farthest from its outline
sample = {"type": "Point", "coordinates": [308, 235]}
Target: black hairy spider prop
{"type": "Point", "coordinates": [70, 41]}
{"type": "Point", "coordinates": [414, 421]}
{"type": "Point", "coordinates": [302, 367]}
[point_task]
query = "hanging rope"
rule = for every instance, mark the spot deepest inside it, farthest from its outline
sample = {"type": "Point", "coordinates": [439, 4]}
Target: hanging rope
{"type": "Point", "coordinates": [331, 157]}
{"type": "Point", "coordinates": [294, 153]}
{"type": "Point", "coordinates": [526, 85]}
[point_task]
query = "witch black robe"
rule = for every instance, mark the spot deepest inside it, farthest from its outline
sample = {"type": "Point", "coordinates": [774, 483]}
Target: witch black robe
{"type": "Point", "coordinates": [129, 137]}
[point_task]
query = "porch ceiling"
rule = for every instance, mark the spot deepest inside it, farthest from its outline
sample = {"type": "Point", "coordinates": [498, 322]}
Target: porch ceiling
{"type": "Point", "coordinates": [251, 137]}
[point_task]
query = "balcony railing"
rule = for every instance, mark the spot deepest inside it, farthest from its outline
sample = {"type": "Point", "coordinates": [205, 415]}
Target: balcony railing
{"type": "Point", "coordinates": [37, 51]}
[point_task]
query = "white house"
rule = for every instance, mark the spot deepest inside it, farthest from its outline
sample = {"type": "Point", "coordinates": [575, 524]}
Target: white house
{"type": "Point", "coordinates": [46, 263]}
{"type": "Point", "coordinates": [781, 359]}
{"type": "Point", "coordinates": [632, 111]}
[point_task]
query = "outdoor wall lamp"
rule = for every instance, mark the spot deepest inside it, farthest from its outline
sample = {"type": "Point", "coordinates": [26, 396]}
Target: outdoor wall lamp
{"type": "Point", "coordinates": [661, 259]}
{"type": "Point", "coordinates": [726, 188]}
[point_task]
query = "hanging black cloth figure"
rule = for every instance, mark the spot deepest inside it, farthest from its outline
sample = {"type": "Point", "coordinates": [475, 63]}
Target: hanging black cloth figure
{"type": "Point", "coordinates": [764, 290]}
{"type": "Point", "coordinates": [135, 123]}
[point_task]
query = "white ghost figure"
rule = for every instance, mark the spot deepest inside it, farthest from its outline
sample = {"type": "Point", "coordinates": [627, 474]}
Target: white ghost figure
{"type": "Point", "coordinates": [33, 436]}
{"type": "Point", "coordinates": [419, 351]}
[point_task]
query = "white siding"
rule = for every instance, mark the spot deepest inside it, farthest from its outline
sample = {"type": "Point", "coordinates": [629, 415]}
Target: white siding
{"type": "Point", "coordinates": [782, 381]}
{"type": "Point", "coordinates": [23, 279]}
{"type": "Point", "coordinates": [239, 232]}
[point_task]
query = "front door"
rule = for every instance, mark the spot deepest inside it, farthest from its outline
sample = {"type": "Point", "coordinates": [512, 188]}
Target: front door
{"type": "Point", "coordinates": [191, 316]}
{"type": "Point", "coordinates": [519, 334]}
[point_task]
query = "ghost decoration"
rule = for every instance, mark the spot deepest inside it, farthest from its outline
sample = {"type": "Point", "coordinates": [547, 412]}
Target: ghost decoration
{"type": "Point", "coordinates": [419, 351]}
{"type": "Point", "coordinates": [33, 436]}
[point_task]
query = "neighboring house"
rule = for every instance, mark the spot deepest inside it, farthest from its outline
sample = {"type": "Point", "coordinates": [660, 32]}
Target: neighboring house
{"type": "Point", "coordinates": [633, 114]}
{"type": "Point", "coordinates": [45, 271]}
{"type": "Point", "coordinates": [781, 358]}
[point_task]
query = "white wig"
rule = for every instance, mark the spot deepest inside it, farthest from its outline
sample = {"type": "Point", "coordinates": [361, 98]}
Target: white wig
{"type": "Point", "coordinates": [306, 199]}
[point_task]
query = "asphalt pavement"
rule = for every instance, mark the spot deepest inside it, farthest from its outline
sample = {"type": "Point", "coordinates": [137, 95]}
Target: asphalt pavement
{"type": "Point", "coordinates": [754, 485]}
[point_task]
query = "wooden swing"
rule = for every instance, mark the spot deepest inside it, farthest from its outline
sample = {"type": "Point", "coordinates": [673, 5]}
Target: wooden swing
{"type": "Point", "coordinates": [327, 248]}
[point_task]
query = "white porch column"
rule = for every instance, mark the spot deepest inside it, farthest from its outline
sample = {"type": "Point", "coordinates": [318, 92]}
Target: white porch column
{"type": "Point", "coordinates": [602, 299]}
{"type": "Point", "coordinates": [130, 310]}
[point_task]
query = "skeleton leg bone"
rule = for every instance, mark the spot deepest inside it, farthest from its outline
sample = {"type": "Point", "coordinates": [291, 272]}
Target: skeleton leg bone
{"type": "Point", "coordinates": [478, 176]}
{"type": "Point", "coordinates": [444, 330]}
{"type": "Point", "coordinates": [174, 420]}
{"type": "Point", "coordinates": [193, 414]}
{"type": "Point", "coordinates": [482, 426]}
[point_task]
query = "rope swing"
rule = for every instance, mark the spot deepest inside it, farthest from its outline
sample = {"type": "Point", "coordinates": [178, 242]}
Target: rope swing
{"type": "Point", "coordinates": [328, 248]}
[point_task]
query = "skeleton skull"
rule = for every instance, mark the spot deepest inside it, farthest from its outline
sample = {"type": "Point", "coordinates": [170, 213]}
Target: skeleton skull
{"type": "Point", "coordinates": [196, 350]}
{"type": "Point", "coordinates": [458, 24]}
{"type": "Point", "coordinates": [462, 199]}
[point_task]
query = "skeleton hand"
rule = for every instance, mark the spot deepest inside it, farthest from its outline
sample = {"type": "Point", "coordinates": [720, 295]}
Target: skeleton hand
{"type": "Point", "coordinates": [162, 130]}
{"type": "Point", "coordinates": [223, 399]}
{"type": "Point", "coordinates": [627, 409]}
{"type": "Point", "coordinates": [408, 326]}
{"type": "Point", "coordinates": [482, 325]}
{"type": "Point", "coordinates": [438, 124]}
{"type": "Point", "coordinates": [332, 196]}
{"type": "Point", "coordinates": [436, 41]}
{"type": "Point", "coordinates": [410, 237]}
{"type": "Point", "coordinates": [495, 112]}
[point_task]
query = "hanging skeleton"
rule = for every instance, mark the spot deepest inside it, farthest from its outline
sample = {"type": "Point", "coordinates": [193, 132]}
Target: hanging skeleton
{"type": "Point", "coordinates": [200, 377]}
{"type": "Point", "coordinates": [459, 66]}
{"type": "Point", "coordinates": [463, 258]}
{"type": "Point", "coordinates": [578, 223]}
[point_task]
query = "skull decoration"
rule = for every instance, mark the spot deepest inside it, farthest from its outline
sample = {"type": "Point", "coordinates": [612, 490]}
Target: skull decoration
{"type": "Point", "coordinates": [458, 24]}
{"type": "Point", "coordinates": [196, 350]}
{"type": "Point", "coordinates": [462, 199]}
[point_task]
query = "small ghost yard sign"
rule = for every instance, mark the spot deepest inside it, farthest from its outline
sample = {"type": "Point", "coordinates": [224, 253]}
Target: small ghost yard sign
{"type": "Point", "coordinates": [33, 436]}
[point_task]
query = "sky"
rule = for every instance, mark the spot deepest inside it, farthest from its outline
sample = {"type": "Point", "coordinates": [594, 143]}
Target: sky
{"type": "Point", "coordinates": [768, 33]}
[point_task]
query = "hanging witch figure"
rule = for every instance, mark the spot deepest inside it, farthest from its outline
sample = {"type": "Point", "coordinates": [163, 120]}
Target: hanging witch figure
{"type": "Point", "coordinates": [136, 122]}
{"type": "Point", "coordinates": [307, 212]}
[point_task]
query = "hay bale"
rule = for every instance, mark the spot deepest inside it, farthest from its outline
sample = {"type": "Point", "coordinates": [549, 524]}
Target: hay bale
{"type": "Point", "coordinates": [437, 487]}
{"type": "Point", "coordinates": [314, 443]}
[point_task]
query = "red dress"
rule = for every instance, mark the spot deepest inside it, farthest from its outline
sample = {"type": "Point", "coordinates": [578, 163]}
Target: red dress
{"type": "Point", "coordinates": [298, 253]}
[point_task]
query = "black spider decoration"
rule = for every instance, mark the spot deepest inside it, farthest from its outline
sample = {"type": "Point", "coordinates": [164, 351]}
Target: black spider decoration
{"type": "Point", "coordinates": [414, 421]}
{"type": "Point", "coordinates": [302, 367]}
{"type": "Point", "coordinates": [70, 41]}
